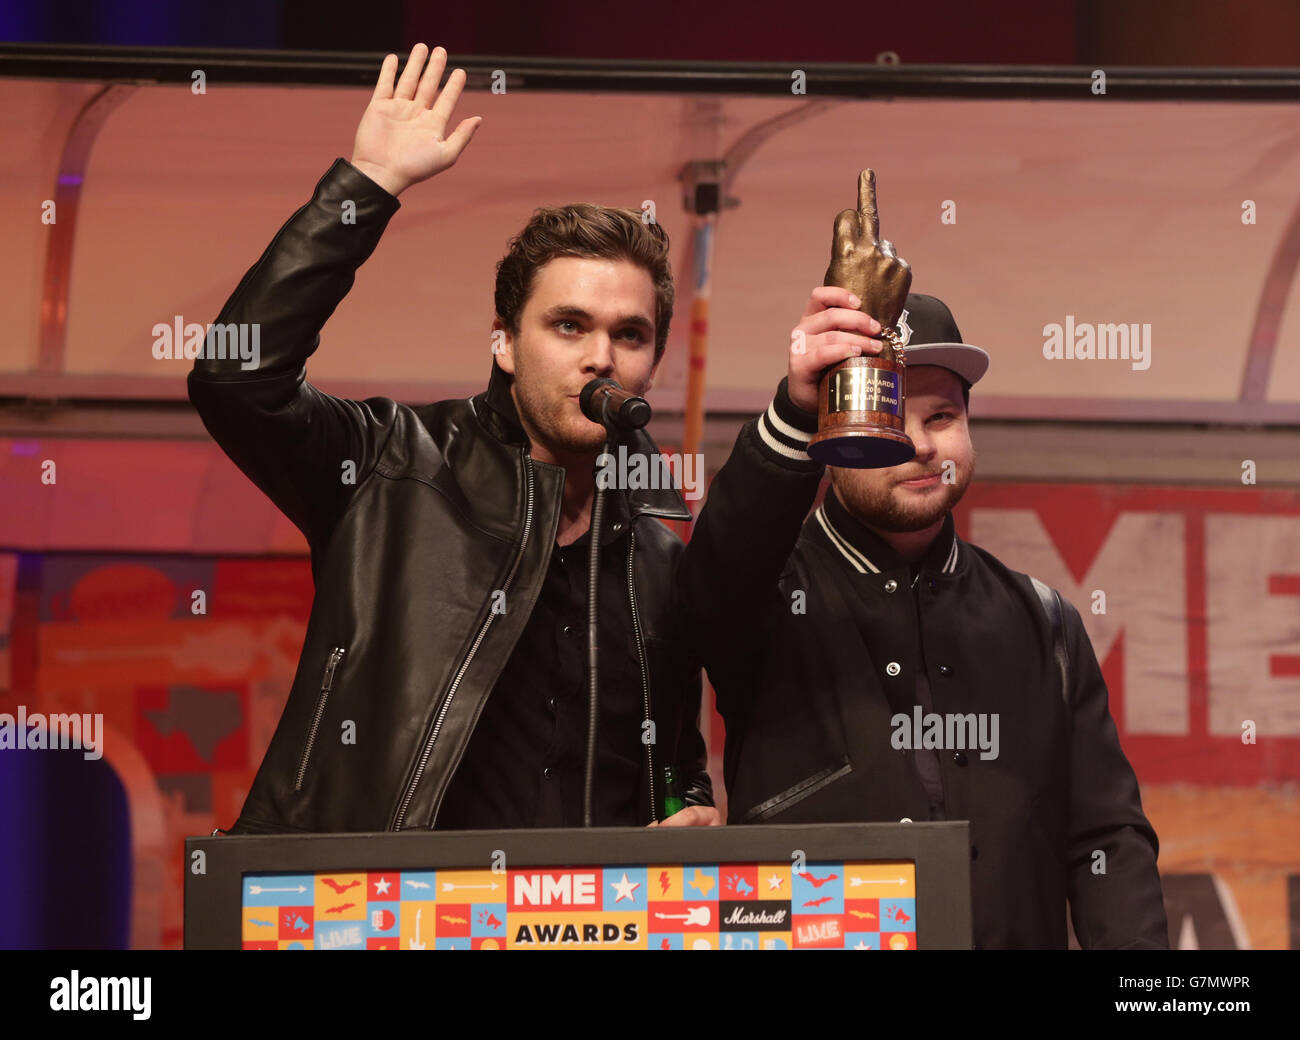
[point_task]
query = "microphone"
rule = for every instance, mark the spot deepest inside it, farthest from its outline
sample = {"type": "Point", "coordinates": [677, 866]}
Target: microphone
{"type": "Point", "coordinates": [603, 401]}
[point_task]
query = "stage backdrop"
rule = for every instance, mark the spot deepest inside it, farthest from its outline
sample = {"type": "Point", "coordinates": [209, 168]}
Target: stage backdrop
{"type": "Point", "coordinates": [1191, 597]}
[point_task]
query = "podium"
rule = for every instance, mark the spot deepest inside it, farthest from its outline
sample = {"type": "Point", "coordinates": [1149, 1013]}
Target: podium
{"type": "Point", "coordinates": [894, 886]}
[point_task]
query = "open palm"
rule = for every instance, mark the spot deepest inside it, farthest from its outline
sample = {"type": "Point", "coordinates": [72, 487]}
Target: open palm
{"type": "Point", "coordinates": [402, 137]}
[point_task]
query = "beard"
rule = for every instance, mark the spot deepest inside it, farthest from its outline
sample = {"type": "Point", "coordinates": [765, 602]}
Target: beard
{"type": "Point", "coordinates": [555, 421]}
{"type": "Point", "coordinates": [887, 506]}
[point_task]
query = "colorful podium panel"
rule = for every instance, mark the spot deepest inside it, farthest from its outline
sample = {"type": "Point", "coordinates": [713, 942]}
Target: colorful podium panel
{"type": "Point", "coordinates": [824, 887]}
{"type": "Point", "coordinates": [832, 905]}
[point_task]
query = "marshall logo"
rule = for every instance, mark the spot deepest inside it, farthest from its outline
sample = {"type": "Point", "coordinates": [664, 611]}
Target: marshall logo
{"type": "Point", "coordinates": [754, 915]}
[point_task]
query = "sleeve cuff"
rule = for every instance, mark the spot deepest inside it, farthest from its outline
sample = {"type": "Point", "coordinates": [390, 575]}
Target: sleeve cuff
{"type": "Point", "coordinates": [785, 429]}
{"type": "Point", "coordinates": [353, 182]}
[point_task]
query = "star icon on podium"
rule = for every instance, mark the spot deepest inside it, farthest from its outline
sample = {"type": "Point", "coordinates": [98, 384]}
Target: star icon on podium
{"type": "Point", "coordinates": [624, 888]}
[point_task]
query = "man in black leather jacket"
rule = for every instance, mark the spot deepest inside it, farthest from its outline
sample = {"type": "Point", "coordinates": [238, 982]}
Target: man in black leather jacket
{"type": "Point", "coordinates": [448, 541]}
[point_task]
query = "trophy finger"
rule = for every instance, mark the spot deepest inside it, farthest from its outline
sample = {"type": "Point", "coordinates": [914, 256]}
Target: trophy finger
{"type": "Point", "coordinates": [886, 248]}
{"type": "Point", "coordinates": [870, 219]}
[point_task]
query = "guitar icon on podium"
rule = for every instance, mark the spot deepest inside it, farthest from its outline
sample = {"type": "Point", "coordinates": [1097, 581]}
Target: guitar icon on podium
{"type": "Point", "coordinates": [415, 943]}
{"type": "Point", "coordinates": [694, 915]}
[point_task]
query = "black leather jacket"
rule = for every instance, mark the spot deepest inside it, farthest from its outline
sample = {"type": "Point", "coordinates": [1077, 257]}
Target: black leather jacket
{"type": "Point", "coordinates": [415, 518]}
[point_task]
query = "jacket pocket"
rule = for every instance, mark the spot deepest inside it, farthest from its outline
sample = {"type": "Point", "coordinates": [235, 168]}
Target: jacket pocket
{"type": "Point", "coordinates": [327, 685]}
{"type": "Point", "coordinates": [809, 785]}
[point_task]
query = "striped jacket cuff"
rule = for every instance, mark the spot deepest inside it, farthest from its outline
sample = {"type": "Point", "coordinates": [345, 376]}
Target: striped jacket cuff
{"type": "Point", "coordinates": [785, 429]}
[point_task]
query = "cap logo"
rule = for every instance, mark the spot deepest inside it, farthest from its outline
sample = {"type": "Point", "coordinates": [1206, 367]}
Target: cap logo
{"type": "Point", "coordinates": [904, 330]}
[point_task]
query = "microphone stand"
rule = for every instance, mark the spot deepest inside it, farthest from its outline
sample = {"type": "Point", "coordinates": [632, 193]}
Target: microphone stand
{"type": "Point", "coordinates": [593, 588]}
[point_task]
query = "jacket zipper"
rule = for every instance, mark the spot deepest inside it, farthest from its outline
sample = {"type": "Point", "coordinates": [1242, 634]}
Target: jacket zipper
{"type": "Point", "coordinates": [645, 683]}
{"type": "Point", "coordinates": [478, 639]}
{"type": "Point", "coordinates": [327, 684]}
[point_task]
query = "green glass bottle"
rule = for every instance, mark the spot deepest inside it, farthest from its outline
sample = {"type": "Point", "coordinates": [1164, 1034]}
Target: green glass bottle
{"type": "Point", "coordinates": [672, 801]}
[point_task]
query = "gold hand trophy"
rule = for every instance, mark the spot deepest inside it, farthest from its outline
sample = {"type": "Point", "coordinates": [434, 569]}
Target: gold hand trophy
{"type": "Point", "coordinates": [860, 400]}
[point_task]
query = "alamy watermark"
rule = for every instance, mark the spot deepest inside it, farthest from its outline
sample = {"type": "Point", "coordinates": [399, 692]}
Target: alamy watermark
{"type": "Point", "coordinates": [93, 993]}
{"type": "Point", "coordinates": [52, 732]}
{"type": "Point", "coordinates": [635, 471]}
{"type": "Point", "coordinates": [1084, 341]}
{"type": "Point", "coordinates": [228, 341]}
{"type": "Point", "coordinates": [950, 732]}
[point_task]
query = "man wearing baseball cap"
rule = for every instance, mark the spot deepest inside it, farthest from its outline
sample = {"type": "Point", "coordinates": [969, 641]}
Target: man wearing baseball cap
{"type": "Point", "coordinates": [835, 642]}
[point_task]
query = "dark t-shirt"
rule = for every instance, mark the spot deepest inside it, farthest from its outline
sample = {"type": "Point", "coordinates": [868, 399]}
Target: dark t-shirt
{"type": "Point", "coordinates": [526, 758]}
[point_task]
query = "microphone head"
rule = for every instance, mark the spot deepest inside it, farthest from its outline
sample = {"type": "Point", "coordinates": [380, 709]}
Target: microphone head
{"type": "Point", "coordinates": [590, 408]}
{"type": "Point", "coordinates": [604, 402]}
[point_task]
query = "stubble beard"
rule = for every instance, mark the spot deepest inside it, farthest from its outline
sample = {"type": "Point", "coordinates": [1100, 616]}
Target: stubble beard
{"type": "Point", "coordinates": [881, 508]}
{"type": "Point", "coordinates": [548, 421]}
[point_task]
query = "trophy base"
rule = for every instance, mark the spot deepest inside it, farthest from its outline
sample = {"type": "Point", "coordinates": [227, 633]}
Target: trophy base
{"type": "Point", "coordinates": [862, 446]}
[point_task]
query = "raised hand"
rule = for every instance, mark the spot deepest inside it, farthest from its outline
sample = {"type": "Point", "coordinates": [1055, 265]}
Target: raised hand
{"type": "Point", "coordinates": [866, 264]}
{"type": "Point", "coordinates": [402, 138]}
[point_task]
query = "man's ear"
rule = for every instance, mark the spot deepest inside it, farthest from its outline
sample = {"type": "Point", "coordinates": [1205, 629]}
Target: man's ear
{"type": "Point", "coordinates": [503, 347]}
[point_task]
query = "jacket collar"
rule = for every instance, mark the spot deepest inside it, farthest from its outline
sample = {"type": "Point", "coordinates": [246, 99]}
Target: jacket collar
{"type": "Point", "coordinates": [500, 416]}
{"type": "Point", "coordinates": [501, 419]}
{"type": "Point", "coordinates": [868, 553]}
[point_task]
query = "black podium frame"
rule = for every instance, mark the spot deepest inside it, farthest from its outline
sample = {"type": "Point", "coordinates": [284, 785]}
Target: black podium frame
{"type": "Point", "coordinates": [941, 852]}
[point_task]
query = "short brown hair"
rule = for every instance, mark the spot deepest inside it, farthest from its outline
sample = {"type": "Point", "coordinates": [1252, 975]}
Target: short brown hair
{"type": "Point", "coordinates": [585, 230]}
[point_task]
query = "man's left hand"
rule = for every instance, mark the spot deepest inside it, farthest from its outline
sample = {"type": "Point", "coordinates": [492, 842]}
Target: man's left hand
{"type": "Point", "coordinates": [692, 816]}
